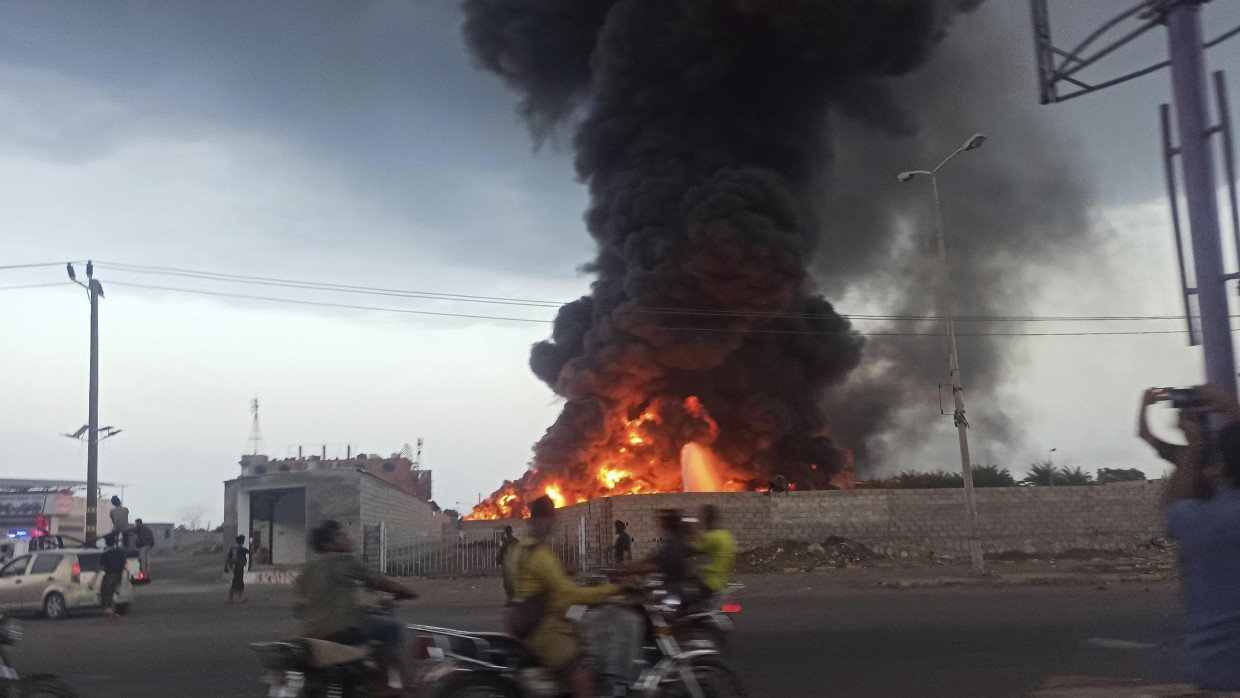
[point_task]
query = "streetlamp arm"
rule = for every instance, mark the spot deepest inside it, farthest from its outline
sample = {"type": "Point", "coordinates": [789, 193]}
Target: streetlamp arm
{"type": "Point", "coordinates": [906, 176]}
{"type": "Point", "coordinates": [947, 159]}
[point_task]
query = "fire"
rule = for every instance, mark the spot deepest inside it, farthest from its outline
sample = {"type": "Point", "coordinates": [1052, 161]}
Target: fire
{"type": "Point", "coordinates": [556, 496]}
{"type": "Point", "coordinates": [611, 477]}
{"type": "Point", "coordinates": [700, 469]}
{"type": "Point", "coordinates": [664, 448]}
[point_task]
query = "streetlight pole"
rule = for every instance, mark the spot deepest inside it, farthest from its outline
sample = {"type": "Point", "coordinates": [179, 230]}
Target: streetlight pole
{"type": "Point", "coordinates": [945, 312]}
{"type": "Point", "coordinates": [1050, 462]}
{"type": "Point", "coordinates": [95, 291]}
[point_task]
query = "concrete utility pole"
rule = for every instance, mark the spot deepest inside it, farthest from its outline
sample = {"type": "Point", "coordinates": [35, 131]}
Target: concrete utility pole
{"type": "Point", "coordinates": [945, 312]}
{"type": "Point", "coordinates": [95, 291]}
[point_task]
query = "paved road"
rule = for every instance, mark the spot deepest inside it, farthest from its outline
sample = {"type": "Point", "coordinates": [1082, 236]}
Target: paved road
{"type": "Point", "coordinates": [186, 643]}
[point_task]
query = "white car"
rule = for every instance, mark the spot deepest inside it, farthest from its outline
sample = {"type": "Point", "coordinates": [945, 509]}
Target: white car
{"type": "Point", "coordinates": [57, 581]}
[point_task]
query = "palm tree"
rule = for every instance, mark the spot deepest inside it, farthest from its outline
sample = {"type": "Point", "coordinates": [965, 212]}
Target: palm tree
{"type": "Point", "coordinates": [992, 476]}
{"type": "Point", "coordinates": [1043, 473]}
{"type": "Point", "coordinates": [1075, 476]}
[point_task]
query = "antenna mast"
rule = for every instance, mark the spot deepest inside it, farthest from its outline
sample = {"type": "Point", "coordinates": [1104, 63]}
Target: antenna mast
{"type": "Point", "coordinates": [255, 443]}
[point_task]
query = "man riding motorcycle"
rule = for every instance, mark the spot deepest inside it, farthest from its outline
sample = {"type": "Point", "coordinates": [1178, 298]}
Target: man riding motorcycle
{"type": "Point", "coordinates": [718, 546]}
{"type": "Point", "coordinates": [327, 598]}
{"type": "Point", "coordinates": [533, 569]}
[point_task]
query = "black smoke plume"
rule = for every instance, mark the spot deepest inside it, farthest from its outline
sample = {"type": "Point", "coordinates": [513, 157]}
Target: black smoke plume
{"type": "Point", "coordinates": [703, 129]}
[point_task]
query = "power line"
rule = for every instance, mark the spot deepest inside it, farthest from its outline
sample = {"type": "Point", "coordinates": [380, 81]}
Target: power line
{"type": "Point", "coordinates": [316, 285]}
{"type": "Point", "coordinates": [502, 318]}
{"type": "Point", "coordinates": [35, 266]}
{"type": "Point", "coordinates": [686, 312]}
{"type": "Point", "coordinates": [46, 285]}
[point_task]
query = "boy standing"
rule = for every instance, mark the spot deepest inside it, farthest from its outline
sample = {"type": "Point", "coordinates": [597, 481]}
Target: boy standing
{"type": "Point", "coordinates": [237, 561]}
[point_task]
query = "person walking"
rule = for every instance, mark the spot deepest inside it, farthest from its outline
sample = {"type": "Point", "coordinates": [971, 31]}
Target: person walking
{"type": "Point", "coordinates": [237, 561]}
{"type": "Point", "coordinates": [120, 520]}
{"type": "Point", "coordinates": [111, 566]}
{"type": "Point", "coordinates": [506, 542]}
{"type": "Point", "coordinates": [145, 539]}
{"type": "Point", "coordinates": [623, 549]}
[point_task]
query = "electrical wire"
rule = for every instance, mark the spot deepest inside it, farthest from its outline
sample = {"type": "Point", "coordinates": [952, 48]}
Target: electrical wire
{"type": "Point", "coordinates": [35, 266]}
{"type": "Point", "coordinates": [410, 311]}
{"type": "Point", "coordinates": [48, 285]}
{"type": "Point", "coordinates": [683, 312]}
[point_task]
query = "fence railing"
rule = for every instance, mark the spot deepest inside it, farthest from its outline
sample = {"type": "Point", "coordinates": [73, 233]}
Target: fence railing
{"type": "Point", "coordinates": [460, 555]}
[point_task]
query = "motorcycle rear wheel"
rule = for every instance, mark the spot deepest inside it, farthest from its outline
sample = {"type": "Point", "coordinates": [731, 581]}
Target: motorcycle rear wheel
{"type": "Point", "coordinates": [714, 678]}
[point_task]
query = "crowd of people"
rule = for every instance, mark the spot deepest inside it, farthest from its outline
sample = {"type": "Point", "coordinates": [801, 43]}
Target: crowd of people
{"type": "Point", "coordinates": [112, 563]}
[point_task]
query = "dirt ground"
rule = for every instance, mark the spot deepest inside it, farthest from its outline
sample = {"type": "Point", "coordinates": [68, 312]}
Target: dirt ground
{"type": "Point", "coordinates": [793, 569]}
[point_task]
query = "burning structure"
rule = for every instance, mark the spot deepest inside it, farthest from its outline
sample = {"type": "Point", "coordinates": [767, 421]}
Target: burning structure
{"type": "Point", "coordinates": [701, 130]}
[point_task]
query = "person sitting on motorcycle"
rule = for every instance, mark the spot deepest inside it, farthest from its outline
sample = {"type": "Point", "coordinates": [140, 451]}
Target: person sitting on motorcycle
{"type": "Point", "coordinates": [672, 559]}
{"type": "Point", "coordinates": [533, 568]}
{"type": "Point", "coordinates": [327, 597]}
{"type": "Point", "coordinates": [719, 548]}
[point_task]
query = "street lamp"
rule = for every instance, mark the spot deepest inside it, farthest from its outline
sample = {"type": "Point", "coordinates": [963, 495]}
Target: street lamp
{"type": "Point", "coordinates": [945, 311]}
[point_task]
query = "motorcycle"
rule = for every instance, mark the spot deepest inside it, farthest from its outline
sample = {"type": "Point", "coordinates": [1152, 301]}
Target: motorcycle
{"type": "Point", "coordinates": [15, 685]}
{"type": "Point", "coordinates": [310, 668]}
{"type": "Point", "coordinates": [709, 624]}
{"type": "Point", "coordinates": [459, 664]}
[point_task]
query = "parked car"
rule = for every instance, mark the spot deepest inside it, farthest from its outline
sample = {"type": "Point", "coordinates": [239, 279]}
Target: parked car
{"type": "Point", "coordinates": [55, 582]}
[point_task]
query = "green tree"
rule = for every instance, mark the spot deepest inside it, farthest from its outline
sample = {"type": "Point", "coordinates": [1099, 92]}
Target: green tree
{"type": "Point", "coordinates": [1106, 475]}
{"type": "Point", "coordinates": [992, 476]}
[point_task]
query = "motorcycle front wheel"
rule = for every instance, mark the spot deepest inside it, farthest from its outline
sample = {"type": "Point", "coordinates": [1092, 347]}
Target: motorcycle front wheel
{"type": "Point", "coordinates": [468, 685]}
{"type": "Point", "coordinates": [45, 687]}
{"type": "Point", "coordinates": [712, 677]}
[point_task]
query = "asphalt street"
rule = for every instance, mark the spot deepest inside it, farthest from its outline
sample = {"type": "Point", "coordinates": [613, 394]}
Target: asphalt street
{"type": "Point", "coordinates": [181, 640]}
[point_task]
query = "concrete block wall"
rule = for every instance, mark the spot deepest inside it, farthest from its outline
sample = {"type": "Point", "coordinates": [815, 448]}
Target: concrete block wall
{"type": "Point", "coordinates": [407, 518]}
{"type": "Point", "coordinates": [1118, 516]}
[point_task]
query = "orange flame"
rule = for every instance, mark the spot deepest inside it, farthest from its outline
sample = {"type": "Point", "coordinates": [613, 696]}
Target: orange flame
{"type": "Point", "coordinates": [643, 456]}
{"type": "Point", "coordinates": [556, 496]}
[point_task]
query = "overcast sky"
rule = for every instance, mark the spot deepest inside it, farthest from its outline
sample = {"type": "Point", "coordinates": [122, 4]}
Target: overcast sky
{"type": "Point", "coordinates": [354, 143]}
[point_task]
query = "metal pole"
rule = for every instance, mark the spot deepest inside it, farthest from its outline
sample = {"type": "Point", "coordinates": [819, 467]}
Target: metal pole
{"type": "Point", "coordinates": [92, 442]}
{"type": "Point", "coordinates": [962, 425]}
{"type": "Point", "coordinates": [1189, 85]}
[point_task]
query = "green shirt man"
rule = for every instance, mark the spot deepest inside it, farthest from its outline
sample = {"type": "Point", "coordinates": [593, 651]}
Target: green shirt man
{"type": "Point", "coordinates": [719, 547]}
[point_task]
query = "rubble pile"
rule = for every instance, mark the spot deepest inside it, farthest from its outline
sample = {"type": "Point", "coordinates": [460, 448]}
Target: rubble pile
{"type": "Point", "coordinates": [794, 556]}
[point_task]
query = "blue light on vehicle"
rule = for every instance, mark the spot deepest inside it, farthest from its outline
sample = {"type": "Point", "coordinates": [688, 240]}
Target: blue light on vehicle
{"type": "Point", "coordinates": [17, 534]}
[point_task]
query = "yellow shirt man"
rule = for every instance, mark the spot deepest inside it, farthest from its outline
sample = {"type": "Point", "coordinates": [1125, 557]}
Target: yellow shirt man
{"type": "Point", "coordinates": [533, 568]}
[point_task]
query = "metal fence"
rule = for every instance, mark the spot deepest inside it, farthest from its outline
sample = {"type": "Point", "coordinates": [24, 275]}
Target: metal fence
{"type": "Point", "coordinates": [472, 554]}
